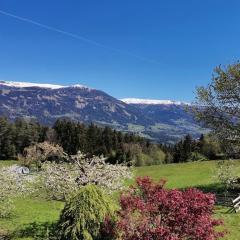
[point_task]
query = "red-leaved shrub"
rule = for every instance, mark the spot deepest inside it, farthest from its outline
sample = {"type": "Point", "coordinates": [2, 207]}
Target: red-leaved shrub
{"type": "Point", "coordinates": [151, 212]}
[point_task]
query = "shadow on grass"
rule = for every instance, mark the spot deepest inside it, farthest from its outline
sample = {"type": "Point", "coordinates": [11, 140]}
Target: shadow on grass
{"type": "Point", "coordinates": [37, 231]}
{"type": "Point", "coordinates": [216, 188]}
{"type": "Point", "coordinates": [223, 198]}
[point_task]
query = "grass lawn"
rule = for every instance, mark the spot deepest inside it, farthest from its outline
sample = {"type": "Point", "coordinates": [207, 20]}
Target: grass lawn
{"type": "Point", "coordinates": [31, 216]}
{"type": "Point", "coordinates": [183, 175]}
{"type": "Point", "coordinates": [6, 163]}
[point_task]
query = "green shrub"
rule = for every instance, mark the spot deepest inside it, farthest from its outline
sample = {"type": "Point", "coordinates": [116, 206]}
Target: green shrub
{"type": "Point", "coordinates": [157, 156]}
{"type": "Point", "coordinates": [211, 147]}
{"type": "Point", "coordinates": [84, 213]}
{"type": "Point", "coordinates": [195, 156]}
{"type": "Point", "coordinates": [140, 160]}
{"type": "Point", "coordinates": [154, 156]}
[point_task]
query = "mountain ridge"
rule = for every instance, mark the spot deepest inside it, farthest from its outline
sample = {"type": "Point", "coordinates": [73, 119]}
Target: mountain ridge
{"type": "Point", "coordinates": [159, 120]}
{"type": "Point", "coordinates": [41, 85]}
{"type": "Point", "coordinates": [19, 84]}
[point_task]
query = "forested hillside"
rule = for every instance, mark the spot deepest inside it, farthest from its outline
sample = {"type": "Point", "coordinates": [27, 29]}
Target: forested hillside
{"type": "Point", "coordinates": [94, 140]}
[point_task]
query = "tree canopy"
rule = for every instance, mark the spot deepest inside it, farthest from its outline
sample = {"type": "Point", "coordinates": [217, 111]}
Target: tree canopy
{"type": "Point", "coordinates": [217, 105]}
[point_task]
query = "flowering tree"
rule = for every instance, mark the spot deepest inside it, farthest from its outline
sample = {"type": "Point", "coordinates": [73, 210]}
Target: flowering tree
{"type": "Point", "coordinates": [95, 170]}
{"type": "Point", "coordinates": [148, 211]}
{"type": "Point", "coordinates": [61, 179]}
{"type": "Point", "coordinates": [227, 174]}
{"type": "Point", "coordinates": [42, 152]}
{"type": "Point", "coordinates": [12, 184]}
{"type": "Point", "coordinates": [58, 180]}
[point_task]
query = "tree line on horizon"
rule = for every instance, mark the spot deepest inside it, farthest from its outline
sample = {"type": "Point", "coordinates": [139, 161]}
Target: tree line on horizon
{"type": "Point", "coordinates": [117, 146]}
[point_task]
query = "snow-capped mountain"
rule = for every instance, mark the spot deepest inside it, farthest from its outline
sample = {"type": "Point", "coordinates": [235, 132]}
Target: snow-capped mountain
{"type": "Point", "coordinates": [152, 101]}
{"type": "Point", "coordinates": [47, 102]}
{"type": "Point", "coordinates": [40, 85]}
{"type": "Point", "coordinates": [160, 120]}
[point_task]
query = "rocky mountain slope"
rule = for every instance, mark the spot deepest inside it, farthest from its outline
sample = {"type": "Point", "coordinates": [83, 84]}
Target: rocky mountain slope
{"type": "Point", "coordinates": [159, 120]}
{"type": "Point", "coordinates": [171, 119]}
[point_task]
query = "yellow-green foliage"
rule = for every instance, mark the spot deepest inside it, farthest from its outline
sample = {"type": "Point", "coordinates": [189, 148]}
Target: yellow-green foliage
{"type": "Point", "coordinates": [153, 157]}
{"type": "Point", "coordinates": [196, 156]}
{"type": "Point", "coordinates": [211, 147]}
{"type": "Point", "coordinates": [83, 214]}
{"type": "Point", "coordinates": [157, 156]}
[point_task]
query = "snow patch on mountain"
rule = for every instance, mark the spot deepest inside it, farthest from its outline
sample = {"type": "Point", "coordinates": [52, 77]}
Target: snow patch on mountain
{"type": "Point", "coordinates": [40, 85]}
{"type": "Point", "coordinates": [28, 84]}
{"type": "Point", "coordinates": [78, 86]}
{"type": "Point", "coordinates": [152, 101]}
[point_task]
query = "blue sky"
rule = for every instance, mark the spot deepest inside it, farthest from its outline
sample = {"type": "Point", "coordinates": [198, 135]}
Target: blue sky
{"type": "Point", "coordinates": [177, 44]}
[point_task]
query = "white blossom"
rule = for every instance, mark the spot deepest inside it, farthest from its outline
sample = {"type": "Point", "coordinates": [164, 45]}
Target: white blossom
{"type": "Point", "coordinates": [12, 184]}
{"type": "Point", "coordinates": [59, 180]}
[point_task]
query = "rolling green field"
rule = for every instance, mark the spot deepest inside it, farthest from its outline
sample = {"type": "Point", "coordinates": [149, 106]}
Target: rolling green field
{"type": "Point", "coordinates": [183, 174]}
{"type": "Point", "coordinates": [33, 216]}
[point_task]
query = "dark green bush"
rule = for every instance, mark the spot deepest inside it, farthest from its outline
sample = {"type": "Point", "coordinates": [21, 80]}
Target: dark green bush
{"type": "Point", "coordinates": [83, 214]}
